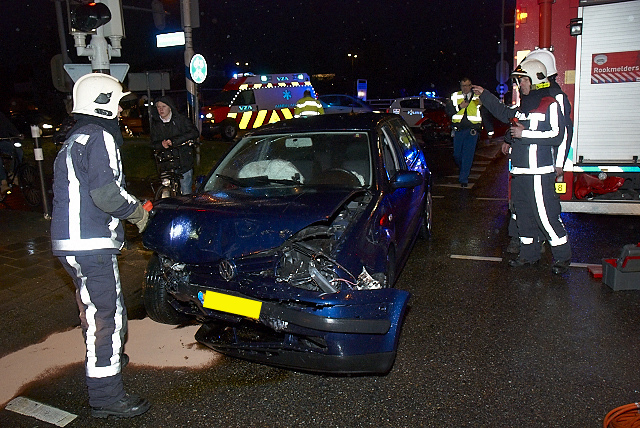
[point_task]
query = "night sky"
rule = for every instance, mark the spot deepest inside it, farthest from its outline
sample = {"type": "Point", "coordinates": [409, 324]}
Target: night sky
{"type": "Point", "coordinates": [403, 46]}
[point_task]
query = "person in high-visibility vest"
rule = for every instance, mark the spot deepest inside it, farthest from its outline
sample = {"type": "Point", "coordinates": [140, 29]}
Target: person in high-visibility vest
{"type": "Point", "coordinates": [308, 106]}
{"type": "Point", "coordinates": [466, 122]}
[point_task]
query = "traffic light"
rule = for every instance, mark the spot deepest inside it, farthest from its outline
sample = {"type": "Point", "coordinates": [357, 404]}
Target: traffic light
{"type": "Point", "coordinates": [87, 17]}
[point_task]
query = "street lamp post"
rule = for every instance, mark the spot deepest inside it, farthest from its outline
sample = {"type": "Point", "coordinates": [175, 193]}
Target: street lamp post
{"type": "Point", "coordinates": [353, 75]}
{"type": "Point", "coordinates": [353, 57]}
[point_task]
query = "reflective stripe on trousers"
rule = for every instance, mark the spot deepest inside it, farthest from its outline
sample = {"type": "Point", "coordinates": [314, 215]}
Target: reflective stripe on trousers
{"type": "Point", "coordinates": [104, 323]}
{"type": "Point", "coordinates": [538, 214]}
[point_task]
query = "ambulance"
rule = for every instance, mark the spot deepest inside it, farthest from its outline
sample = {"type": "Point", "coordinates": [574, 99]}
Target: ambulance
{"type": "Point", "coordinates": [249, 101]}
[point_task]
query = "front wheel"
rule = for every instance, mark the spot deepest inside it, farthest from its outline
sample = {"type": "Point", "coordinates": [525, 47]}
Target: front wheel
{"type": "Point", "coordinates": [229, 130]}
{"type": "Point", "coordinates": [156, 297]}
{"type": "Point", "coordinates": [426, 224]}
{"type": "Point", "coordinates": [391, 269]}
{"type": "Point", "coordinates": [29, 184]}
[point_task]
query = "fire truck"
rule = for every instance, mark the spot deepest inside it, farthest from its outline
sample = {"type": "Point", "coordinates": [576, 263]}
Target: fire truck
{"type": "Point", "coordinates": [596, 44]}
{"type": "Point", "coordinates": [249, 101]}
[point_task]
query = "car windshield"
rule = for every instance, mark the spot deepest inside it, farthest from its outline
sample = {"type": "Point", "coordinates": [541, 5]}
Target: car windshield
{"type": "Point", "coordinates": [337, 159]}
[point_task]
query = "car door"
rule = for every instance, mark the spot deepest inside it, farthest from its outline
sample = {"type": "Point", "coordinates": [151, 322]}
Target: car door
{"type": "Point", "coordinates": [397, 201]}
{"type": "Point", "coordinates": [414, 159]}
{"type": "Point", "coordinates": [410, 110]}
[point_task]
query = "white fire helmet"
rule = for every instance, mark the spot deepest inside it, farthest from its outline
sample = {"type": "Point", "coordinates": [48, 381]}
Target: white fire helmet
{"type": "Point", "coordinates": [546, 57]}
{"type": "Point", "coordinates": [97, 94]}
{"type": "Point", "coordinates": [535, 71]}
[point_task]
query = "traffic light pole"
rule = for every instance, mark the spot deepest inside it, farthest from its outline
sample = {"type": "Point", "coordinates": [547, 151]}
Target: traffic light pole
{"type": "Point", "coordinates": [192, 91]}
{"type": "Point", "coordinates": [192, 95]}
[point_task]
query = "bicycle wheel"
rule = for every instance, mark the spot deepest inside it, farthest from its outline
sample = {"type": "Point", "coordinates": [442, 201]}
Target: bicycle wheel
{"type": "Point", "coordinates": [28, 181]}
{"type": "Point", "coordinates": [165, 192]}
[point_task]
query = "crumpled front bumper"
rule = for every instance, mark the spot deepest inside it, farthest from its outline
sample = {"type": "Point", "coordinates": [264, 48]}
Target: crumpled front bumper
{"type": "Point", "coordinates": [344, 332]}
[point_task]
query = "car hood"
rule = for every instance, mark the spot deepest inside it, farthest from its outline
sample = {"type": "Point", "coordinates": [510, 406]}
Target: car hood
{"type": "Point", "coordinates": [207, 227]}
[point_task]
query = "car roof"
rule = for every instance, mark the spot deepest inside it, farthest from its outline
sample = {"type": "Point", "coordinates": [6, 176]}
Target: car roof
{"type": "Point", "coordinates": [336, 95]}
{"type": "Point", "coordinates": [415, 97]}
{"type": "Point", "coordinates": [328, 122]}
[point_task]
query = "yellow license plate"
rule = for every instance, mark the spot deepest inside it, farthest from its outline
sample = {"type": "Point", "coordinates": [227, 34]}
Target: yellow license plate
{"type": "Point", "coordinates": [232, 304]}
{"type": "Point", "coordinates": [561, 187]}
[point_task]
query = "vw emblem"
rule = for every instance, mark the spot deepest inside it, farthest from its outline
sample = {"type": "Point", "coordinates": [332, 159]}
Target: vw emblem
{"type": "Point", "coordinates": [227, 270]}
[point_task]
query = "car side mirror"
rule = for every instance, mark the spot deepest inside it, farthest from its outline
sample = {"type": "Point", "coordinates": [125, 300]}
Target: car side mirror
{"type": "Point", "coordinates": [406, 180]}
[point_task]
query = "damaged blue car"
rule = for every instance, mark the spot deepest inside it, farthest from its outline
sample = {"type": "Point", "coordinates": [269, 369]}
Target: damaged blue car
{"type": "Point", "coordinates": [288, 252]}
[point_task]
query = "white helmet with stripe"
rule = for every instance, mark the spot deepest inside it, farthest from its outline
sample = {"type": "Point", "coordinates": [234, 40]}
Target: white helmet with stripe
{"type": "Point", "coordinates": [545, 57]}
{"type": "Point", "coordinates": [535, 71]}
{"type": "Point", "coordinates": [97, 94]}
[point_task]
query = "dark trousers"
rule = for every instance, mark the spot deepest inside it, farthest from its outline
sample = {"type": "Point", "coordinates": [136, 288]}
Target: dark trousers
{"type": "Point", "coordinates": [103, 317]}
{"type": "Point", "coordinates": [464, 149]}
{"type": "Point", "coordinates": [538, 215]}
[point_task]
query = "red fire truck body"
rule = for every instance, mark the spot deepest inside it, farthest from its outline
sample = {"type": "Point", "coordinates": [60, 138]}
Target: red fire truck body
{"type": "Point", "coordinates": [596, 44]}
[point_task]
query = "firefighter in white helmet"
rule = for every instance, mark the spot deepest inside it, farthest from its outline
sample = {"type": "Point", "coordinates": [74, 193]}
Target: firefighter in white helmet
{"type": "Point", "coordinates": [538, 129]}
{"type": "Point", "coordinates": [547, 58]}
{"type": "Point", "coordinates": [86, 235]}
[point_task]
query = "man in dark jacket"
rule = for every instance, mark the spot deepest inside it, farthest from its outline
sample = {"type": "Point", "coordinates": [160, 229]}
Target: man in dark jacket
{"type": "Point", "coordinates": [171, 130]}
{"type": "Point", "coordinates": [538, 132]}
{"type": "Point", "coordinates": [86, 235]}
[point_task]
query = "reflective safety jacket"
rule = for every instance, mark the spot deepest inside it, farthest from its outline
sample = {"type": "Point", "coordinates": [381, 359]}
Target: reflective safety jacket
{"type": "Point", "coordinates": [89, 195]}
{"type": "Point", "coordinates": [562, 99]}
{"type": "Point", "coordinates": [472, 111]}
{"type": "Point", "coordinates": [308, 106]}
{"type": "Point", "coordinates": [544, 129]}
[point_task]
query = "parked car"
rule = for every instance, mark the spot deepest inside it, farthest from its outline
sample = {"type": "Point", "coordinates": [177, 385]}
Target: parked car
{"type": "Point", "coordinates": [24, 119]}
{"type": "Point", "coordinates": [424, 113]}
{"type": "Point", "coordinates": [337, 103]}
{"type": "Point", "coordinates": [289, 250]}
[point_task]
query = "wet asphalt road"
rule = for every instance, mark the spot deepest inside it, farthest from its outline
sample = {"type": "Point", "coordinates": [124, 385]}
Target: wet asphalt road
{"type": "Point", "coordinates": [482, 344]}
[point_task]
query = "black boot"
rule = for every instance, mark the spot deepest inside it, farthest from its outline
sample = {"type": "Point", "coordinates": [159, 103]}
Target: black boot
{"type": "Point", "coordinates": [127, 407]}
{"type": "Point", "coordinates": [561, 267]}
{"type": "Point", "coordinates": [522, 262]}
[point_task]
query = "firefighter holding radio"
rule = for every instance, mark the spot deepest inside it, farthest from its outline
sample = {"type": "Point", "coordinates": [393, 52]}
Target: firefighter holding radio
{"type": "Point", "coordinates": [538, 132]}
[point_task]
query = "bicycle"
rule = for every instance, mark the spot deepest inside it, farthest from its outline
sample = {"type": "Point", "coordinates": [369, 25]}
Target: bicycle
{"type": "Point", "coordinates": [168, 164]}
{"type": "Point", "coordinates": [21, 174]}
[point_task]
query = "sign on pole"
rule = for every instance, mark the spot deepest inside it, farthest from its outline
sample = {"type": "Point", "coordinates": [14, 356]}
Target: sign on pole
{"type": "Point", "coordinates": [76, 71]}
{"type": "Point", "coordinates": [198, 68]}
{"type": "Point", "coordinates": [154, 81]}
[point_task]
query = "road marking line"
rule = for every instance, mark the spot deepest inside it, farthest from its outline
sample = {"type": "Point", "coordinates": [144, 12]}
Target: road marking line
{"type": "Point", "coordinates": [487, 259]}
{"type": "Point", "coordinates": [580, 265]}
{"type": "Point", "coordinates": [469, 186]}
{"type": "Point", "coordinates": [42, 412]}
{"type": "Point", "coordinates": [499, 259]}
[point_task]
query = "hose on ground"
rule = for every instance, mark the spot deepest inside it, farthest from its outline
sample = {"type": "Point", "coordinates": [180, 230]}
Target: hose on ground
{"type": "Point", "coordinates": [627, 416]}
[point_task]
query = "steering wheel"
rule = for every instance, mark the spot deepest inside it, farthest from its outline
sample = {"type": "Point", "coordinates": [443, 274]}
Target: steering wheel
{"type": "Point", "coordinates": [338, 176]}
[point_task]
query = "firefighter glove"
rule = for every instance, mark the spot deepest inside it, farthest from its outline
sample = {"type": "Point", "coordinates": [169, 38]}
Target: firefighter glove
{"type": "Point", "coordinates": [140, 218]}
